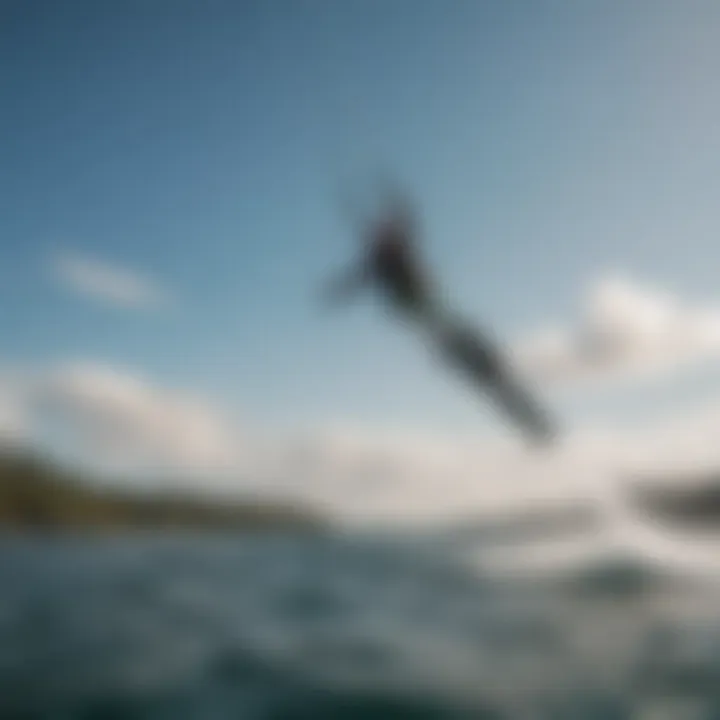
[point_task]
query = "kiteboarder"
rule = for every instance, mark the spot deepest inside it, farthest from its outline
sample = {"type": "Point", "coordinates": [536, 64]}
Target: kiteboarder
{"type": "Point", "coordinates": [390, 261]}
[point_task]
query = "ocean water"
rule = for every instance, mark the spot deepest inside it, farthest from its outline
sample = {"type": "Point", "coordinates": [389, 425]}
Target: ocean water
{"type": "Point", "coordinates": [282, 628]}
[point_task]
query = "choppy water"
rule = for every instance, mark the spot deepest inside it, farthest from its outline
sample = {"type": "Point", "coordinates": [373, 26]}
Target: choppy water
{"type": "Point", "coordinates": [285, 628]}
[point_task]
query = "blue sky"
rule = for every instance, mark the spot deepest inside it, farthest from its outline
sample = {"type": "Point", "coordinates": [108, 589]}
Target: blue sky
{"type": "Point", "coordinates": [205, 146]}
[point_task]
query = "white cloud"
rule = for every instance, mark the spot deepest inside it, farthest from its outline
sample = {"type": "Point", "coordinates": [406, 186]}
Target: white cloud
{"type": "Point", "coordinates": [130, 423]}
{"type": "Point", "coordinates": [625, 329]}
{"type": "Point", "coordinates": [106, 282]}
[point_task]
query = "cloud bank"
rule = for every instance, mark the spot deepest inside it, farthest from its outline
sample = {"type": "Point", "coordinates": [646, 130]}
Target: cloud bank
{"type": "Point", "coordinates": [127, 424]}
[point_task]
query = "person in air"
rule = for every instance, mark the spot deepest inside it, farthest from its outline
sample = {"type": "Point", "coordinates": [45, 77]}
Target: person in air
{"type": "Point", "coordinates": [391, 262]}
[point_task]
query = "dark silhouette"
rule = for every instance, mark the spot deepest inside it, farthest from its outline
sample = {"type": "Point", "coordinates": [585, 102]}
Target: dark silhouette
{"type": "Point", "coordinates": [390, 261]}
{"type": "Point", "coordinates": [685, 499]}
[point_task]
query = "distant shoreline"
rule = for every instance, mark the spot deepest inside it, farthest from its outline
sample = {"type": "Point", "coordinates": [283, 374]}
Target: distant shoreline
{"type": "Point", "coordinates": [39, 497]}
